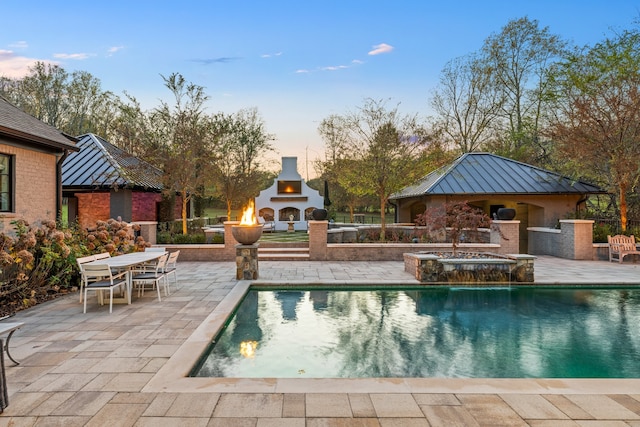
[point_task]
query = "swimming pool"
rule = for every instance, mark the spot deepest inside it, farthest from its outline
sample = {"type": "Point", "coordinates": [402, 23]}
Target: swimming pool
{"type": "Point", "coordinates": [518, 332]}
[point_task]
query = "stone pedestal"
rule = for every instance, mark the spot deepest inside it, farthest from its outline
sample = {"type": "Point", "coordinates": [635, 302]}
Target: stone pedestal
{"type": "Point", "coordinates": [148, 230]}
{"type": "Point", "coordinates": [247, 262]}
{"type": "Point", "coordinates": [507, 235]}
{"type": "Point", "coordinates": [576, 238]}
{"type": "Point", "coordinates": [318, 240]}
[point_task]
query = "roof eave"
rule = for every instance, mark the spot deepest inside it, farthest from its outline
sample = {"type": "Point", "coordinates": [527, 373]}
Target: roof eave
{"type": "Point", "coordinates": [557, 193]}
{"type": "Point", "coordinates": [27, 137]}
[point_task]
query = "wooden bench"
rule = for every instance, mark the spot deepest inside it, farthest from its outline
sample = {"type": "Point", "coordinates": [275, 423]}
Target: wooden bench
{"type": "Point", "coordinates": [9, 327]}
{"type": "Point", "coordinates": [621, 246]}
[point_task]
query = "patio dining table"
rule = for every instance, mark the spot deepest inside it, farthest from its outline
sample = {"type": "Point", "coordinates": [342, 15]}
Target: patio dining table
{"type": "Point", "coordinates": [128, 262]}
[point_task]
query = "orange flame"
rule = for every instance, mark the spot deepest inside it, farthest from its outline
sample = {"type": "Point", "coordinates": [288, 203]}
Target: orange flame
{"type": "Point", "coordinates": [248, 215]}
{"type": "Point", "coordinates": [248, 349]}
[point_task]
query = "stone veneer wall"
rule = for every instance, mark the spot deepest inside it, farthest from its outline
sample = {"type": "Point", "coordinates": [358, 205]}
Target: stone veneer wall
{"type": "Point", "coordinates": [542, 241]}
{"type": "Point", "coordinates": [574, 240]}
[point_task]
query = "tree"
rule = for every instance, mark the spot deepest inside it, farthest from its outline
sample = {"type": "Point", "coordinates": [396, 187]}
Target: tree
{"type": "Point", "coordinates": [597, 112]}
{"type": "Point", "coordinates": [457, 217]}
{"type": "Point", "coordinates": [337, 165]}
{"type": "Point", "coordinates": [74, 103]}
{"type": "Point", "coordinates": [467, 103]}
{"type": "Point", "coordinates": [243, 143]}
{"type": "Point", "coordinates": [43, 94]}
{"type": "Point", "coordinates": [387, 152]}
{"type": "Point", "coordinates": [518, 59]}
{"type": "Point", "coordinates": [185, 140]}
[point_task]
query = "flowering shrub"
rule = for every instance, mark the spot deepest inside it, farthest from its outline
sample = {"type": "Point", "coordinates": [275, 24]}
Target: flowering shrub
{"type": "Point", "coordinates": [39, 262]}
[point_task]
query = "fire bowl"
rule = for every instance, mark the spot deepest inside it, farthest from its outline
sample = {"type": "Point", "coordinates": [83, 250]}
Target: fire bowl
{"type": "Point", "coordinates": [246, 234]}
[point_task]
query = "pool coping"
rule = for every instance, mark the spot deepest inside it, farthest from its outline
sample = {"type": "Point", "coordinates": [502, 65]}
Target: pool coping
{"type": "Point", "coordinates": [173, 376]}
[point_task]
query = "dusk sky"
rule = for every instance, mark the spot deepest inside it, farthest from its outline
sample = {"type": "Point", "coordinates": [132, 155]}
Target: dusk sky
{"type": "Point", "coordinates": [297, 62]}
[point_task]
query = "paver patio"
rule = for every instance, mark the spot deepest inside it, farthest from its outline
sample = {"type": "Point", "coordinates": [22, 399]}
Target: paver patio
{"type": "Point", "coordinates": [90, 369]}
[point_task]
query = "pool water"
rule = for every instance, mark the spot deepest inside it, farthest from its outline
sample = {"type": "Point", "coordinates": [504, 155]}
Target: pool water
{"type": "Point", "coordinates": [439, 332]}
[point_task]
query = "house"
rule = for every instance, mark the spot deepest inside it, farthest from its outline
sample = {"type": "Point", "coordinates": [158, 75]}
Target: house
{"type": "Point", "coordinates": [101, 181]}
{"type": "Point", "coordinates": [289, 201]}
{"type": "Point", "coordinates": [539, 197]}
{"type": "Point", "coordinates": [31, 157]}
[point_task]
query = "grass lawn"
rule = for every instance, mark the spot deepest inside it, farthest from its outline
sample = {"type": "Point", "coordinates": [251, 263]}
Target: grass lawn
{"type": "Point", "coordinates": [283, 236]}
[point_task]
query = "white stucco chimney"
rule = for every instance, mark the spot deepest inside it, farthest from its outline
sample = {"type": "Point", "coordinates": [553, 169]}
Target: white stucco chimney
{"type": "Point", "coordinates": [289, 169]}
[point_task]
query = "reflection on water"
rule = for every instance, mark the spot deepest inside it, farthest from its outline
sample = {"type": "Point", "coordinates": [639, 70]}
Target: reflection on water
{"type": "Point", "coordinates": [441, 332]}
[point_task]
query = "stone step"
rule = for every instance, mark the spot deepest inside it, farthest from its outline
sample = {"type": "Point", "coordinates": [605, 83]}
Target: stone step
{"type": "Point", "coordinates": [283, 254]}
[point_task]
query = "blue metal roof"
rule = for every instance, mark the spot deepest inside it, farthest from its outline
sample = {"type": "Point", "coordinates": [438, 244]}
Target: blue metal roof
{"type": "Point", "coordinates": [100, 164]}
{"type": "Point", "coordinates": [486, 173]}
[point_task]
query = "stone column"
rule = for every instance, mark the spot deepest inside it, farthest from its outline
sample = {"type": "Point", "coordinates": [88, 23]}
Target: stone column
{"type": "Point", "coordinates": [229, 241]}
{"type": "Point", "coordinates": [576, 238]}
{"type": "Point", "coordinates": [318, 240]}
{"type": "Point", "coordinates": [524, 271]}
{"type": "Point", "coordinates": [507, 235]}
{"type": "Point", "coordinates": [247, 262]}
{"type": "Point", "coordinates": [148, 230]}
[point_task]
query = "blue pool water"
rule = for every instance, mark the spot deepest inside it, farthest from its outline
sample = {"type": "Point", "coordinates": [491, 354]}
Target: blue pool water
{"type": "Point", "coordinates": [438, 332]}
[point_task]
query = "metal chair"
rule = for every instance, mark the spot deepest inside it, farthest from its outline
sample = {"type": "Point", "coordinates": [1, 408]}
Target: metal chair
{"type": "Point", "coordinates": [81, 261]}
{"type": "Point", "coordinates": [98, 278]}
{"type": "Point", "coordinates": [171, 267]}
{"type": "Point", "coordinates": [153, 275]}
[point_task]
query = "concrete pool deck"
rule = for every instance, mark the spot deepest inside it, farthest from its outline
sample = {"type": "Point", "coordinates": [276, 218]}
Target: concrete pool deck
{"type": "Point", "coordinates": [101, 369]}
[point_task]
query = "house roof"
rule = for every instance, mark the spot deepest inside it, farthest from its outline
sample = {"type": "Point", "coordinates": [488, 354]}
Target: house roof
{"type": "Point", "coordinates": [16, 124]}
{"type": "Point", "coordinates": [486, 173]}
{"type": "Point", "coordinates": [100, 164]}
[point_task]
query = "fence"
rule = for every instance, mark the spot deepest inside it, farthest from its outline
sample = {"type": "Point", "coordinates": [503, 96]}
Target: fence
{"type": "Point", "coordinates": [608, 226]}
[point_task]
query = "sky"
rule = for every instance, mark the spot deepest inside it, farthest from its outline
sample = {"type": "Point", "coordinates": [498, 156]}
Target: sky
{"type": "Point", "coordinates": [296, 62]}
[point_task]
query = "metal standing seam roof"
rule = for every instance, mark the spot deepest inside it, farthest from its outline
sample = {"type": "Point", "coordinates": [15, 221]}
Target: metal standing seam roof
{"type": "Point", "coordinates": [486, 173]}
{"type": "Point", "coordinates": [100, 164]}
{"type": "Point", "coordinates": [17, 124]}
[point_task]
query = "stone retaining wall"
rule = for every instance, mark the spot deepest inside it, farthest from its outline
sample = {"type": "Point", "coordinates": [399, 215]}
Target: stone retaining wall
{"type": "Point", "coordinates": [431, 268]}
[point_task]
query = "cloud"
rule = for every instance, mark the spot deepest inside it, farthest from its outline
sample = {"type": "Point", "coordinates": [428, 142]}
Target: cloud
{"type": "Point", "coordinates": [76, 56]}
{"type": "Point", "coordinates": [113, 50]}
{"type": "Point", "coordinates": [220, 60]}
{"type": "Point", "coordinates": [19, 45]}
{"type": "Point", "coordinates": [16, 67]}
{"type": "Point", "coordinates": [270, 55]}
{"type": "Point", "coordinates": [334, 67]}
{"type": "Point", "coordinates": [331, 67]}
{"type": "Point", "coordinates": [381, 48]}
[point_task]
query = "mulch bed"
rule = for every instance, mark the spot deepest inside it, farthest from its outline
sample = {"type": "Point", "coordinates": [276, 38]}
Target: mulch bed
{"type": "Point", "coordinates": [11, 304]}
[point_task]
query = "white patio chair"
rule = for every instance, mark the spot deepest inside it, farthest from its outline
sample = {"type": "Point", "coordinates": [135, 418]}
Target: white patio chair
{"type": "Point", "coordinates": [81, 261]}
{"type": "Point", "coordinates": [171, 267]}
{"type": "Point", "coordinates": [102, 255]}
{"type": "Point", "coordinates": [267, 226]}
{"type": "Point", "coordinates": [152, 276]}
{"type": "Point", "coordinates": [98, 278]}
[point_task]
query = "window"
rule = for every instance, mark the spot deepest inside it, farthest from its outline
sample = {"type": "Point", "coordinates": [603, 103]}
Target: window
{"type": "Point", "coordinates": [6, 183]}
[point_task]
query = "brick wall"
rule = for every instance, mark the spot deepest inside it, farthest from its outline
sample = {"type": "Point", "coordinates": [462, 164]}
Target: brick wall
{"type": "Point", "coordinates": [35, 185]}
{"type": "Point", "coordinates": [143, 206]}
{"type": "Point", "coordinates": [93, 207]}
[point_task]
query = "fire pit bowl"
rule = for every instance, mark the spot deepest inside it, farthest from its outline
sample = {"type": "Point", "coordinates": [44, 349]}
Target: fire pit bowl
{"type": "Point", "coordinates": [246, 234]}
